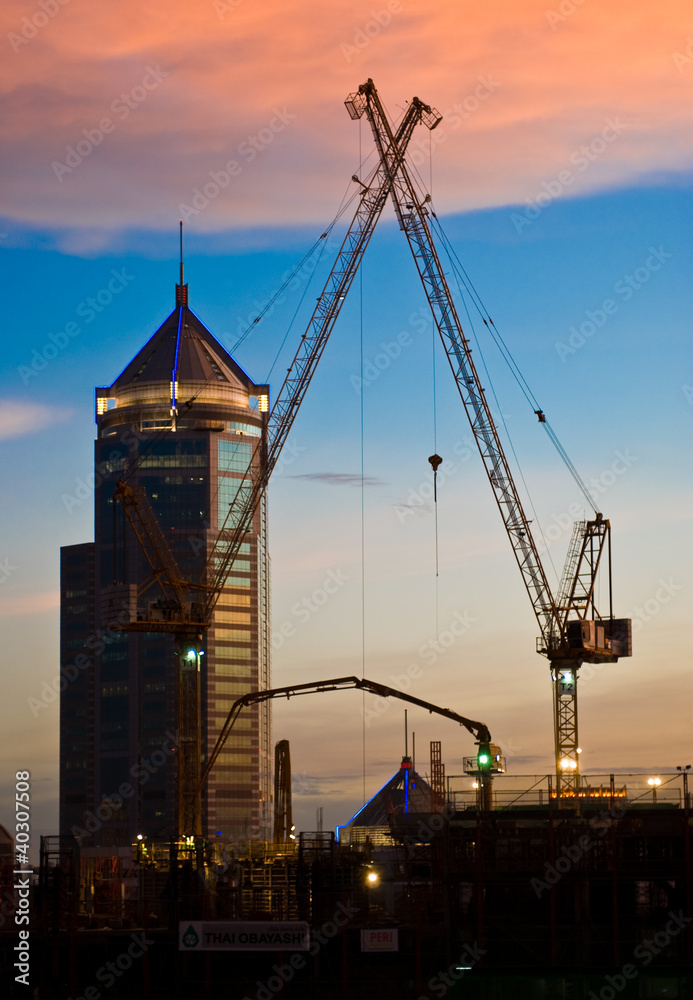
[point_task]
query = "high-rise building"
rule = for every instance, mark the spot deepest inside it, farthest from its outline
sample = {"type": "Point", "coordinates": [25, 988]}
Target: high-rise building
{"type": "Point", "coordinates": [182, 421]}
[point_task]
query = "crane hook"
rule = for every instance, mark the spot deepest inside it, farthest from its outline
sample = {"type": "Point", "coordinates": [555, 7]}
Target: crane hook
{"type": "Point", "coordinates": [435, 461]}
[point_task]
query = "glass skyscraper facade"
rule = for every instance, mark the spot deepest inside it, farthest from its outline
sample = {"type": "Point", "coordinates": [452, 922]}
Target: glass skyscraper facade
{"type": "Point", "coordinates": [182, 421]}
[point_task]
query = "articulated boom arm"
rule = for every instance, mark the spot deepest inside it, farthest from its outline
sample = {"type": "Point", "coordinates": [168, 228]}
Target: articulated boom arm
{"type": "Point", "coordinates": [315, 338]}
{"type": "Point", "coordinates": [479, 730]}
{"type": "Point", "coordinates": [412, 218]}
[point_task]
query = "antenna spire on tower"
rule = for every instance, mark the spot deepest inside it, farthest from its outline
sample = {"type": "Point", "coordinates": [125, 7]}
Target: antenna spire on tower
{"type": "Point", "coordinates": [181, 289]}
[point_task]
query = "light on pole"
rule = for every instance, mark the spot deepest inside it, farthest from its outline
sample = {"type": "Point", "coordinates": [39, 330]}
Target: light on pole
{"type": "Point", "coordinates": [654, 783]}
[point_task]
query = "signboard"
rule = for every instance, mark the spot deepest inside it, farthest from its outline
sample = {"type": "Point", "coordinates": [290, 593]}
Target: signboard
{"type": "Point", "coordinates": [380, 939]}
{"type": "Point", "coordinates": [250, 935]}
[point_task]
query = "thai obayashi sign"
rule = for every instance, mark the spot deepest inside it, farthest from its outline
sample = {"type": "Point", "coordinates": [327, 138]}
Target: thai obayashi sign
{"type": "Point", "coordinates": [251, 935]}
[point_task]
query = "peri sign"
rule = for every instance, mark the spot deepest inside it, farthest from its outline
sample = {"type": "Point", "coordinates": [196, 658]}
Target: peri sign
{"type": "Point", "coordinates": [380, 939]}
{"type": "Point", "coordinates": [234, 935]}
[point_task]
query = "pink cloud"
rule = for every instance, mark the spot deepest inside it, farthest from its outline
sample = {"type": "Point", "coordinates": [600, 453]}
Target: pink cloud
{"type": "Point", "coordinates": [24, 604]}
{"type": "Point", "coordinates": [19, 417]}
{"type": "Point", "coordinates": [261, 83]}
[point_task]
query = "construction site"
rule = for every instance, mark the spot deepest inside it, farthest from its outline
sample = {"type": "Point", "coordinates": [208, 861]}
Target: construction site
{"type": "Point", "coordinates": [483, 884]}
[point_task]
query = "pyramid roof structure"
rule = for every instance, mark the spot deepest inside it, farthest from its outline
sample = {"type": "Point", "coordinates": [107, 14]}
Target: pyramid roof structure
{"type": "Point", "coordinates": [406, 792]}
{"type": "Point", "coordinates": [182, 350]}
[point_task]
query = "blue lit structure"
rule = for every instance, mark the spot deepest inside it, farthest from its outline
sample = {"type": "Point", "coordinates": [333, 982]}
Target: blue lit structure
{"type": "Point", "coordinates": [405, 793]}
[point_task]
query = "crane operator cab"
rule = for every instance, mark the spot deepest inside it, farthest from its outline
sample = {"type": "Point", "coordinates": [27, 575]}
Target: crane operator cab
{"type": "Point", "coordinates": [606, 638]}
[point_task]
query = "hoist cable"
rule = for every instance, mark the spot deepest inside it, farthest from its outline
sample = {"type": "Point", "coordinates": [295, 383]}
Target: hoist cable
{"type": "Point", "coordinates": [293, 318]}
{"type": "Point", "coordinates": [363, 516]}
{"type": "Point", "coordinates": [503, 421]}
{"type": "Point", "coordinates": [462, 277]}
{"type": "Point", "coordinates": [435, 473]}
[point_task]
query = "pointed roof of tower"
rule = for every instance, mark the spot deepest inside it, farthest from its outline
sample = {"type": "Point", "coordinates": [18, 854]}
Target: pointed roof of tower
{"type": "Point", "coordinates": [181, 356]}
{"type": "Point", "coordinates": [182, 350]}
{"type": "Point", "coordinates": [405, 792]}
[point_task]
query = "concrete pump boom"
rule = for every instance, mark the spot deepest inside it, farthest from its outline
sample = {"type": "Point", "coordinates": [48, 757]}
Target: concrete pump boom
{"type": "Point", "coordinates": [478, 729]}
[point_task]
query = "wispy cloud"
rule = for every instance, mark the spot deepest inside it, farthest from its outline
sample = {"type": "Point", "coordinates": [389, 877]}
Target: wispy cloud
{"type": "Point", "coordinates": [227, 81]}
{"type": "Point", "coordinates": [341, 478]}
{"type": "Point", "coordinates": [25, 604]}
{"type": "Point", "coordinates": [19, 417]}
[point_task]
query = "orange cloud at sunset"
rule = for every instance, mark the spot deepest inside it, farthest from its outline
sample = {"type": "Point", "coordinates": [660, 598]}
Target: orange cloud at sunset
{"type": "Point", "coordinates": [155, 98]}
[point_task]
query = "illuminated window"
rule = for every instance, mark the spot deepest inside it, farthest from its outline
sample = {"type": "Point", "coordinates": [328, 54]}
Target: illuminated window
{"type": "Point", "coordinates": [233, 633]}
{"type": "Point", "coordinates": [228, 669]}
{"type": "Point", "coordinates": [233, 653]}
{"type": "Point", "coordinates": [237, 601]}
{"type": "Point", "coordinates": [173, 462]}
{"type": "Point", "coordinates": [232, 617]}
{"type": "Point", "coordinates": [230, 687]}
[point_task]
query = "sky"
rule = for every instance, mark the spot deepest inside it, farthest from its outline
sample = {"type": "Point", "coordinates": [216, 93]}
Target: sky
{"type": "Point", "coordinates": [561, 177]}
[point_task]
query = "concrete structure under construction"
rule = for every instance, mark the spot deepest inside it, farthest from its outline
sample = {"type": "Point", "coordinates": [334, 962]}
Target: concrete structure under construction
{"type": "Point", "coordinates": [530, 900]}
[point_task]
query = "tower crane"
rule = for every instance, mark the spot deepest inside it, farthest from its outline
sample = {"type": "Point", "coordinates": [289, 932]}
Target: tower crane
{"type": "Point", "coordinates": [572, 630]}
{"type": "Point", "coordinates": [189, 606]}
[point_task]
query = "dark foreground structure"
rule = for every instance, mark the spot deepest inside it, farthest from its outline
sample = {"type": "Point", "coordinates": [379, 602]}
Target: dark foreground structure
{"type": "Point", "coordinates": [528, 901]}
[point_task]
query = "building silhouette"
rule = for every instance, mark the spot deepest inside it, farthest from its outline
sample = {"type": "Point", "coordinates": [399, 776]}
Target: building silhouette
{"type": "Point", "coordinates": [181, 420]}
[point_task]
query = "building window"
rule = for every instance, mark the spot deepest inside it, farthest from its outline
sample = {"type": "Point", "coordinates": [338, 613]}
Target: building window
{"type": "Point", "coordinates": [234, 456]}
{"type": "Point", "coordinates": [243, 548]}
{"type": "Point", "coordinates": [114, 690]}
{"type": "Point", "coordinates": [229, 634]}
{"type": "Point", "coordinates": [228, 490]}
{"type": "Point", "coordinates": [237, 566]}
{"type": "Point", "coordinates": [238, 600]}
{"type": "Point", "coordinates": [231, 670]}
{"type": "Point", "coordinates": [114, 656]}
{"type": "Point", "coordinates": [233, 653]}
{"type": "Point", "coordinates": [75, 643]}
{"type": "Point", "coordinates": [230, 687]}
{"type": "Point", "coordinates": [239, 428]}
{"type": "Point", "coordinates": [232, 617]}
